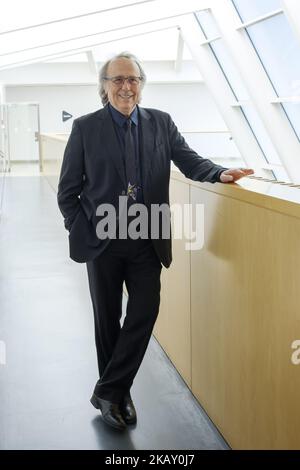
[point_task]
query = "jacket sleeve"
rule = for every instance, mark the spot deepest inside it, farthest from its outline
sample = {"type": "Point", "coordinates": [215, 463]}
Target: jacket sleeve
{"type": "Point", "coordinates": [188, 161]}
{"type": "Point", "coordinates": [71, 177]}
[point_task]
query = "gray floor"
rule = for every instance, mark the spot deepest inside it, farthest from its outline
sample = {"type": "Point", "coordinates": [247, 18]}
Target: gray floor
{"type": "Point", "coordinates": [46, 327]}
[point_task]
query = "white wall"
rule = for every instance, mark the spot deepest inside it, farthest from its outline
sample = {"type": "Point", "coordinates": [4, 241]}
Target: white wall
{"type": "Point", "coordinates": [73, 73]}
{"type": "Point", "coordinates": [190, 105]}
{"type": "Point", "coordinates": [76, 100]}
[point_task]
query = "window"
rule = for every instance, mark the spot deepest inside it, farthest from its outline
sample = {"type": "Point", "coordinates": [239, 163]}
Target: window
{"type": "Point", "coordinates": [240, 93]}
{"type": "Point", "coordinates": [293, 112]}
{"type": "Point", "coordinates": [251, 9]}
{"type": "Point", "coordinates": [278, 51]}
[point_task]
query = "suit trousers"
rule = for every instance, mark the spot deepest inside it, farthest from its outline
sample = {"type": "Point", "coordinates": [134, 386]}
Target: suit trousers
{"type": "Point", "coordinates": [120, 350]}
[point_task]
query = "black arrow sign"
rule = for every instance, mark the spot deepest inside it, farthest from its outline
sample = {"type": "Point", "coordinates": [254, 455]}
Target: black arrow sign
{"type": "Point", "coordinates": [66, 116]}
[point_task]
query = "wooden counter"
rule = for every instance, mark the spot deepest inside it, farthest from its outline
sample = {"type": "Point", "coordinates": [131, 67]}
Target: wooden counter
{"type": "Point", "coordinates": [52, 149]}
{"type": "Point", "coordinates": [231, 310]}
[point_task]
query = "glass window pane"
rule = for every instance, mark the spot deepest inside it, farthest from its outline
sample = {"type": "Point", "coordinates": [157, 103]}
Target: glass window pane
{"type": "Point", "coordinates": [251, 9]}
{"type": "Point", "coordinates": [278, 50]}
{"type": "Point", "coordinates": [261, 134]}
{"type": "Point", "coordinates": [229, 69]}
{"type": "Point", "coordinates": [293, 112]}
{"type": "Point", "coordinates": [248, 112]}
{"type": "Point", "coordinates": [223, 57]}
{"type": "Point", "coordinates": [265, 143]}
{"type": "Point", "coordinates": [281, 174]}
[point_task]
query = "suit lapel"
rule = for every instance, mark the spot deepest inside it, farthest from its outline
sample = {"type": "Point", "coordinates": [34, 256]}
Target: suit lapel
{"type": "Point", "coordinates": [110, 141]}
{"type": "Point", "coordinates": [146, 144]}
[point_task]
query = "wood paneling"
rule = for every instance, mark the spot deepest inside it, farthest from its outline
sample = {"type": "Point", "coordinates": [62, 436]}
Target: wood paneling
{"type": "Point", "coordinates": [244, 311]}
{"type": "Point", "coordinates": [172, 328]}
{"type": "Point", "coordinates": [245, 315]}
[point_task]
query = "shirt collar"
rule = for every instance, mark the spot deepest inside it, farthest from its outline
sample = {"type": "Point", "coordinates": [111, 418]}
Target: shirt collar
{"type": "Point", "coordinates": [120, 119]}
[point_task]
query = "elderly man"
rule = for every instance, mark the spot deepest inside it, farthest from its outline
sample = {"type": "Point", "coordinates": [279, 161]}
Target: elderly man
{"type": "Point", "coordinates": [123, 150]}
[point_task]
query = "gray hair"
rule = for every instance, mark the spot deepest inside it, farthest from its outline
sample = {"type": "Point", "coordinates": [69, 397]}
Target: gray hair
{"type": "Point", "coordinates": [103, 73]}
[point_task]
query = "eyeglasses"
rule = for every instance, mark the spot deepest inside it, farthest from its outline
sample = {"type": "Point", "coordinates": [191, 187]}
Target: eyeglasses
{"type": "Point", "coordinates": [119, 81]}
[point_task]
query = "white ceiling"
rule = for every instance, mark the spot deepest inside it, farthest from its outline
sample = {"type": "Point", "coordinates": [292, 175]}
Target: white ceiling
{"type": "Point", "coordinates": [159, 45]}
{"type": "Point", "coordinates": [35, 31]}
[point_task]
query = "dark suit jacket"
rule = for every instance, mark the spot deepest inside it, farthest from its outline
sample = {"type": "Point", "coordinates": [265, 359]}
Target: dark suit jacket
{"type": "Point", "coordinates": [93, 173]}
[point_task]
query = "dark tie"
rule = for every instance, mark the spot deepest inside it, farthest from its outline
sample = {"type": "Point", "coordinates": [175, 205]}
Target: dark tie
{"type": "Point", "coordinates": [130, 163]}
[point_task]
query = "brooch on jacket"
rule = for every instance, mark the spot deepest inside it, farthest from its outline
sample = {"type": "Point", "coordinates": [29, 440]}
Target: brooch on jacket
{"type": "Point", "coordinates": [132, 190]}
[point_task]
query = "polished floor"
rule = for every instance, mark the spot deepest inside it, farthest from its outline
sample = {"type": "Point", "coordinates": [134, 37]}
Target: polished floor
{"type": "Point", "coordinates": [48, 359]}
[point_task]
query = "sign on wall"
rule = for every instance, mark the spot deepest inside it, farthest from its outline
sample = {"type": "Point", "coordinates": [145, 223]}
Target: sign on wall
{"type": "Point", "coordinates": [66, 116]}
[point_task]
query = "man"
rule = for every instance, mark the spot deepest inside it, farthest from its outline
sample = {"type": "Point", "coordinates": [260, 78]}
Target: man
{"type": "Point", "coordinates": [123, 150]}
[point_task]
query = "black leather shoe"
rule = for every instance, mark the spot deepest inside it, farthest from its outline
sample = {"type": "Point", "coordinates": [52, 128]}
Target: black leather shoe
{"type": "Point", "coordinates": [110, 412]}
{"type": "Point", "coordinates": [128, 410]}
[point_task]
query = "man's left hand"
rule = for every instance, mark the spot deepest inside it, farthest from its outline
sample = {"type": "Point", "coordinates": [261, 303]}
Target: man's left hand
{"type": "Point", "coordinates": [233, 174]}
